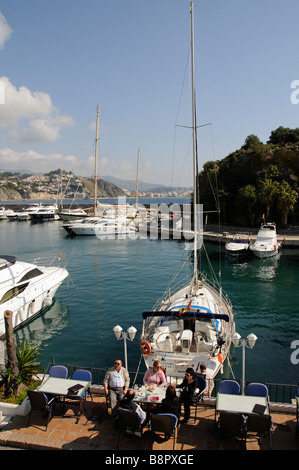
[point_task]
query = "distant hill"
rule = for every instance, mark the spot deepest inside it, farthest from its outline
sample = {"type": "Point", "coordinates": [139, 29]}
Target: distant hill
{"type": "Point", "coordinates": [130, 185]}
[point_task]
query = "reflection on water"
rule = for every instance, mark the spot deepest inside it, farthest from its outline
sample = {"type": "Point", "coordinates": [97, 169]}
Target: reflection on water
{"type": "Point", "coordinates": [46, 325]}
{"type": "Point", "coordinates": [263, 269]}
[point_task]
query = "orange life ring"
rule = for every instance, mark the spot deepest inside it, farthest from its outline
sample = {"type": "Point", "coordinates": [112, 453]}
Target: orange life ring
{"type": "Point", "coordinates": [145, 347]}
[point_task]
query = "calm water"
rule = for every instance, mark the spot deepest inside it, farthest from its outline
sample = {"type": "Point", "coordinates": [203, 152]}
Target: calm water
{"type": "Point", "coordinates": [113, 281]}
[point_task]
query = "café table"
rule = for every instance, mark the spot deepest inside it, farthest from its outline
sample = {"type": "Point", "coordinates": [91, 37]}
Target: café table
{"type": "Point", "coordinates": [146, 395]}
{"type": "Point", "coordinates": [244, 404]}
{"type": "Point", "coordinates": [63, 388]}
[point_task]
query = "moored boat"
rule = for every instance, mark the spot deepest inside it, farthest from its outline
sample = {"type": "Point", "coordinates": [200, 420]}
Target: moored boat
{"type": "Point", "coordinates": [26, 288]}
{"type": "Point", "coordinates": [238, 246]}
{"type": "Point", "coordinates": [266, 244]}
{"type": "Point", "coordinates": [192, 324]}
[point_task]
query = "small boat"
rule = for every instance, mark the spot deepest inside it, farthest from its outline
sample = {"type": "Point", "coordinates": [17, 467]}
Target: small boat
{"type": "Point", "coordinates": [26, 289]}
{"type": "Point", "coordinates": [6, 213]}
{"type": "Point", "coordinates": [238, 246]}
{"type": "Point", "coordinates": [193, 322]}
{"type": "Point", "coordinates": [266, 244]}
{"type": "Point", "coordinates": [101, 227]}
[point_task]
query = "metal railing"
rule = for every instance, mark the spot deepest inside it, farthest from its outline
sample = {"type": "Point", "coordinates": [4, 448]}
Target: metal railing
{"type": "Point", "coordinates": [279, 393]}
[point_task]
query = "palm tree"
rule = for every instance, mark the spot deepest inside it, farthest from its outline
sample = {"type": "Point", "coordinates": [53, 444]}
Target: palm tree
{"type": "Point", "coordinates": [287, 198]}
{"type": "Point", "coordinates": [268, 190]}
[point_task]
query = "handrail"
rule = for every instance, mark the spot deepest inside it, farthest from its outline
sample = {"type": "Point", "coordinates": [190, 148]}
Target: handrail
{"type": "Point", "coordinates": [278, 393]}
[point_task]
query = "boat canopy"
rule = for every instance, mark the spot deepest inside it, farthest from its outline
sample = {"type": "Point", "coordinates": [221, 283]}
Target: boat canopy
{"type": "Point", "coordinates": [198, 315]}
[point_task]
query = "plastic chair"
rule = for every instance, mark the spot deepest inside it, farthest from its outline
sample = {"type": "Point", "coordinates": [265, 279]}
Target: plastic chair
{"type": "Point", "coordinates": [166, 423]}
{"type": "Point", "coordinates": [258, 426]}
{"type": "Point", "coordinates": [257, 390]}
{"type": "Point", "coordinates": [232, 423]}
{"type": "Point", "coordinates": [230, 387]}
{"type": "Point", "coordinates": [80, 374]}
{"type": "Point", "coordinates": [39, 402]}
{"type": "Point", "coordinates": [60, 372]}
{"type": "Point", "coordinates": [85, 375]}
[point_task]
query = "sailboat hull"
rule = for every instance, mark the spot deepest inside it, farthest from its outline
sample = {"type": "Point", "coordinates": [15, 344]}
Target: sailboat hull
{"type": "Point", "coordinates": [181, 337]}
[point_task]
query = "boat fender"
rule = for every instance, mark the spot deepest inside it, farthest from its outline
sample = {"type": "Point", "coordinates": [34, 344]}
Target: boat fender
{"type": "Point", "coordinates": [145, 347]}
{"type": "Point", "coordinates": [32, 305]}
{"type": "Point", "coordinates": [47, 301]}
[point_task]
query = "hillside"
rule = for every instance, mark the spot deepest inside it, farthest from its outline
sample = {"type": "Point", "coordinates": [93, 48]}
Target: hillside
{"type": "Point", "coordinates": [19, 186]}
{"type": "Point", "coordinates": [258, 180]}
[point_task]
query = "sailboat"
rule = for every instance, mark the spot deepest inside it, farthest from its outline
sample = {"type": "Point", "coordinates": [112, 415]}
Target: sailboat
{"type": "Point", "coordinates": [191, 324]}
{"type": "Point", "coordinates": [107, 220]}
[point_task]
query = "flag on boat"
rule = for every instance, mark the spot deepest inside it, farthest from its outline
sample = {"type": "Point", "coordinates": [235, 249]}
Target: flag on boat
{"type": "Point", "coordinates": [186, 308]}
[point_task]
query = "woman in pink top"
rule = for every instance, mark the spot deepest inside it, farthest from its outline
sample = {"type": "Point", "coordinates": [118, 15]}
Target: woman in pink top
{"type": "Point", "coordinates": [155, 375]}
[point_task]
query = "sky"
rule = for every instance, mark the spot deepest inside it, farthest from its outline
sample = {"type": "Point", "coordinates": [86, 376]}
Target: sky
{"type": "Point", "coordinates": [59, 60]}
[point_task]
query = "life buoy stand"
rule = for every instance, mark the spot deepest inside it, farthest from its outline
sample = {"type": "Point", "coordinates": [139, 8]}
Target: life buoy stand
{"type": "Point", "coordinates": [145, 347]}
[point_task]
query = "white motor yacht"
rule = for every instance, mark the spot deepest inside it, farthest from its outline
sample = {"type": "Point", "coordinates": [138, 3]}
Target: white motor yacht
{"type": "Point", "coordinates": [5, 213]}
{"type": "Point", "coordinates": [266, 244]}
{"type": "Point", "coordinates": [26, 289]}
{"type": "Point", "coordinates": [101, 227]}
{"type": "Point", "coordinates": [45, 213]}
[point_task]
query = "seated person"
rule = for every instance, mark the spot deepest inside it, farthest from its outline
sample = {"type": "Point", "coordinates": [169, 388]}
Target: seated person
{"type": "Point", "coordinates": [155, 375]}
{"type": "Point", "coordinates": [170, 404]}
{"type": "Point", "coordinates": [190, 388]}
{"type": "Point", "coordinates": [128, 404]}
{"type": "Point", "coordinates": [116, 384]}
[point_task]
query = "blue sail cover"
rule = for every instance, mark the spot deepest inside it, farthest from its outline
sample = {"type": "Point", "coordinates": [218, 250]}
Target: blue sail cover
{"type": "Point", "coordinates": [198, 315]}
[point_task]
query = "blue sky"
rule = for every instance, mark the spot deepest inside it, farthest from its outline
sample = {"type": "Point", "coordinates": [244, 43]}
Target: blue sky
{"type": "Point", "coordinates": [60, 59]}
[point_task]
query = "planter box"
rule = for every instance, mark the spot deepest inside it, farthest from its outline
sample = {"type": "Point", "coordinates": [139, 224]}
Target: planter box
{"type": "Point", "coordinates": [9, 409]}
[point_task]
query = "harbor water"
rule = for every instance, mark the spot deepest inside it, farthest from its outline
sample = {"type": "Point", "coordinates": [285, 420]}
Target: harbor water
{"type": "Point", "coordinates": [112, 281]}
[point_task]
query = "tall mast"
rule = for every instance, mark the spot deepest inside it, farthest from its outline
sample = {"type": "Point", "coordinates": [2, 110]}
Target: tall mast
{"type": "Point", "coordinates": [194, 146]}
{"type": "Point", "coordinates": [137, 178]}
{"type": "Point", "coordinates": [96, 162]}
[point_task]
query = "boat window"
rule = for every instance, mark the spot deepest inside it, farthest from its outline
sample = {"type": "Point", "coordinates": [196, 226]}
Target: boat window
{"type": "Point", "coordinates": [31, 274]}
{"type": "Point", "coordinates": [13, 292]}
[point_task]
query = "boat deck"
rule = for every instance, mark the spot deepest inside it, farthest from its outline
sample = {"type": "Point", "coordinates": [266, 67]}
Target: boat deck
{"type": "Point", "coordinates": [95, 430]}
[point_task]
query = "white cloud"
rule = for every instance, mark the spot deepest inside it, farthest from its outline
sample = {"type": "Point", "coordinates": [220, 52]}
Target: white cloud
{"type": "Point", "coordinates": [43, 121]}
{"type": "Point", "coordinates": [5, 31]}
{"type": "Point", "coordinates": [35, 162]}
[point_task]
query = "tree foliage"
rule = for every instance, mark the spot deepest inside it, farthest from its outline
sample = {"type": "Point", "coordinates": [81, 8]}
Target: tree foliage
{"type": "Point", "coordinates": [255, 181]}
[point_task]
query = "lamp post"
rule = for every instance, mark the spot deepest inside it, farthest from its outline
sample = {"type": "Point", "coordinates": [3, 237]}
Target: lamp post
{"type": "Point", "coordinates": [251, 340]}
{"type": "Point", "coordinates": [121, 334]}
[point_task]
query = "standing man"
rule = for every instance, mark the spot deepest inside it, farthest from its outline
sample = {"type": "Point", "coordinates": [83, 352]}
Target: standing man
{"type": "Point", "coordinates": [116, 384]}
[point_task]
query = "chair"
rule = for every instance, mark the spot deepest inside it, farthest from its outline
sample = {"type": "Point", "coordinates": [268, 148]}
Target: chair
{"type": "Point", "coordinates": [257, 390]}
{"type": "Point", "coordinates": [39, 402]}
{"type": "Point", "coordinates": [166, 423]}
{"type": "Point", "coordinates": [230, 387]}
{"type": "Point", "coordinates": [60, 372]}
{"type": "Point", "coordinates": [85, 375]}
{"type": "Point", "coordinates": [232, 423]}
{"type": "Point", "coordinates": [200, 396]}
{"type": "Point", "coordinates": [128, 420]}
{"type": "Point", "coordinates": [259, 426]}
